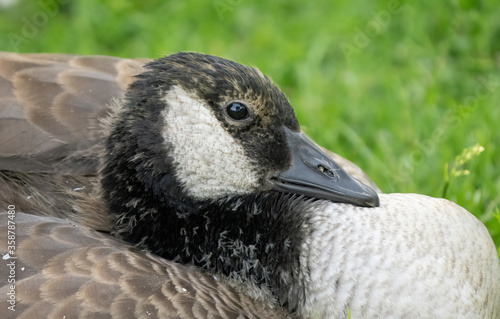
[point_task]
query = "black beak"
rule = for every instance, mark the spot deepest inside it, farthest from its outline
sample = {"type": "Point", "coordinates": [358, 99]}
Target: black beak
{"type": "Point", "coordinates": [315, 174]}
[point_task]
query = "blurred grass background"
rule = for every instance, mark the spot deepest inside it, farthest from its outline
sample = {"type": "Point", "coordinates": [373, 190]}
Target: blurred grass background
{"type": "Point", "coordinates": [399, 88]}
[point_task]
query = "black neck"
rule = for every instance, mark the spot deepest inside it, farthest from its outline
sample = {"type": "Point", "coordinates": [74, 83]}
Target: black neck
{"type": "Point", "coordinates": [255, 238]}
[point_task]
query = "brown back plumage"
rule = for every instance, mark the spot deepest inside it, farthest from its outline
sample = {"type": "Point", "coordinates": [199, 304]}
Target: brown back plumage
{"type": "Point", "coordinates": [64, 270]}
{"type": "Point", "coordinates": [50, 106]}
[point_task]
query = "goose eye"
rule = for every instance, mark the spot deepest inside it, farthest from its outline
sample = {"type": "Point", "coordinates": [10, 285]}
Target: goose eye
{"type": "Point", "coordinates": [237, 111]}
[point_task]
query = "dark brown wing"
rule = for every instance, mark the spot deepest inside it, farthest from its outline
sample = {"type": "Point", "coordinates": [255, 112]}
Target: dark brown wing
{"type": "Point", "coordinates": [63, 270]}
{"type": "Point", "coordinates": [50, 106]}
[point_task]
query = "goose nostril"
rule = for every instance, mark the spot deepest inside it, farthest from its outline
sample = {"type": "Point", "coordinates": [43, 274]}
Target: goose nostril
{"type": "Point", "coordinates": [325, 171]}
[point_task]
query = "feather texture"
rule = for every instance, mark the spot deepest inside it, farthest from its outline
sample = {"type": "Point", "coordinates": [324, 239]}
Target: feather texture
{"type": "Point", "coordinates": [51, 107]}
{"type": "Point", "coordinates": [64, 270]}
{"type": "Point", "coordinates": [413, 255]}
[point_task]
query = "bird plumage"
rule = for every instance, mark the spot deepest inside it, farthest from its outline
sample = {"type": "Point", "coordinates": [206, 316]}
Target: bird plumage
{"type": "Point", "coordinates": [414, 256]}
{"type": "Point", "coordinates": [237, 197]}
{"type": "Point", "coordinates": [65, 270]}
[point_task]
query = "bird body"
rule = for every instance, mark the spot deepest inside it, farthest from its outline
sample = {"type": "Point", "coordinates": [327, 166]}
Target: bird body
{"type": "Point", "coordinates": [414, 256]}
{"type": "Point", "coordinates": [202, 166]}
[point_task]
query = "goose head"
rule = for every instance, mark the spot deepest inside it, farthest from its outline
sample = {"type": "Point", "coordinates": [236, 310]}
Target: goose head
{"type": "Point", "coordinates": [198, 127]}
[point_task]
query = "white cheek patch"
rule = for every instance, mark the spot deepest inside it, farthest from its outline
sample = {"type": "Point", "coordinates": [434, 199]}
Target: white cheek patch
{"type": "Point", "coordinates": [209, 161]}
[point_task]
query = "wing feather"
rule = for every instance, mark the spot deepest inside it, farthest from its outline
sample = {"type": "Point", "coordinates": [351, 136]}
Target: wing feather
{"type": "Point", "coordinates": [63, 269]}
{"type": "Point", "coordinates": [51, 106]}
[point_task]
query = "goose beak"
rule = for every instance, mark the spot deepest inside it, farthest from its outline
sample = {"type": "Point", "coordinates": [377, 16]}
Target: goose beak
{"type": "Point", "coordinates": [315, 174]}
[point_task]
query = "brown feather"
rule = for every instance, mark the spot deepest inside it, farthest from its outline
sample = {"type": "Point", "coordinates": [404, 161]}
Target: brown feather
{"type": "Point", "coordinates": [65, 270]}
{"type": "Point", "coordinates": [53, 104]}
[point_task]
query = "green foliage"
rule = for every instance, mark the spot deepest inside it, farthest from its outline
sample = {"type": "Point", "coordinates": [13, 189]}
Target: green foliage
{"type": "Point", "coordinates": [397, 87]}
{"type": "Point", "coordinates": [457, 169]}
{"type": "Point", "coordinates": [497, 217]}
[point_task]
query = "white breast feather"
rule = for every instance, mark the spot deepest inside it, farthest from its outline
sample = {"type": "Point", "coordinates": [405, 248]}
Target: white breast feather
{"type": "Point", "coordinates": [413, 257]}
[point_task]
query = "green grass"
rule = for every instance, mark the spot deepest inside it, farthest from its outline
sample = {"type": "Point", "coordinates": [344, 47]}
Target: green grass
{"type": "Point", "coordinates": [406, 100]}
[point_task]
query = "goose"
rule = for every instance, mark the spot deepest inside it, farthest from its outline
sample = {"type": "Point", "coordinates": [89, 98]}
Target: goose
{"type": "Point", "coordinates": [218, 205]}
{"type": "Point", "coordinates": [51, 134]}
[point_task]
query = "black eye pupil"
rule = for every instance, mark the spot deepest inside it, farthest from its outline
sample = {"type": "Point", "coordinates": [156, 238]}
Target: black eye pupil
{"type": "Point", "coordinates": [237, 111]}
